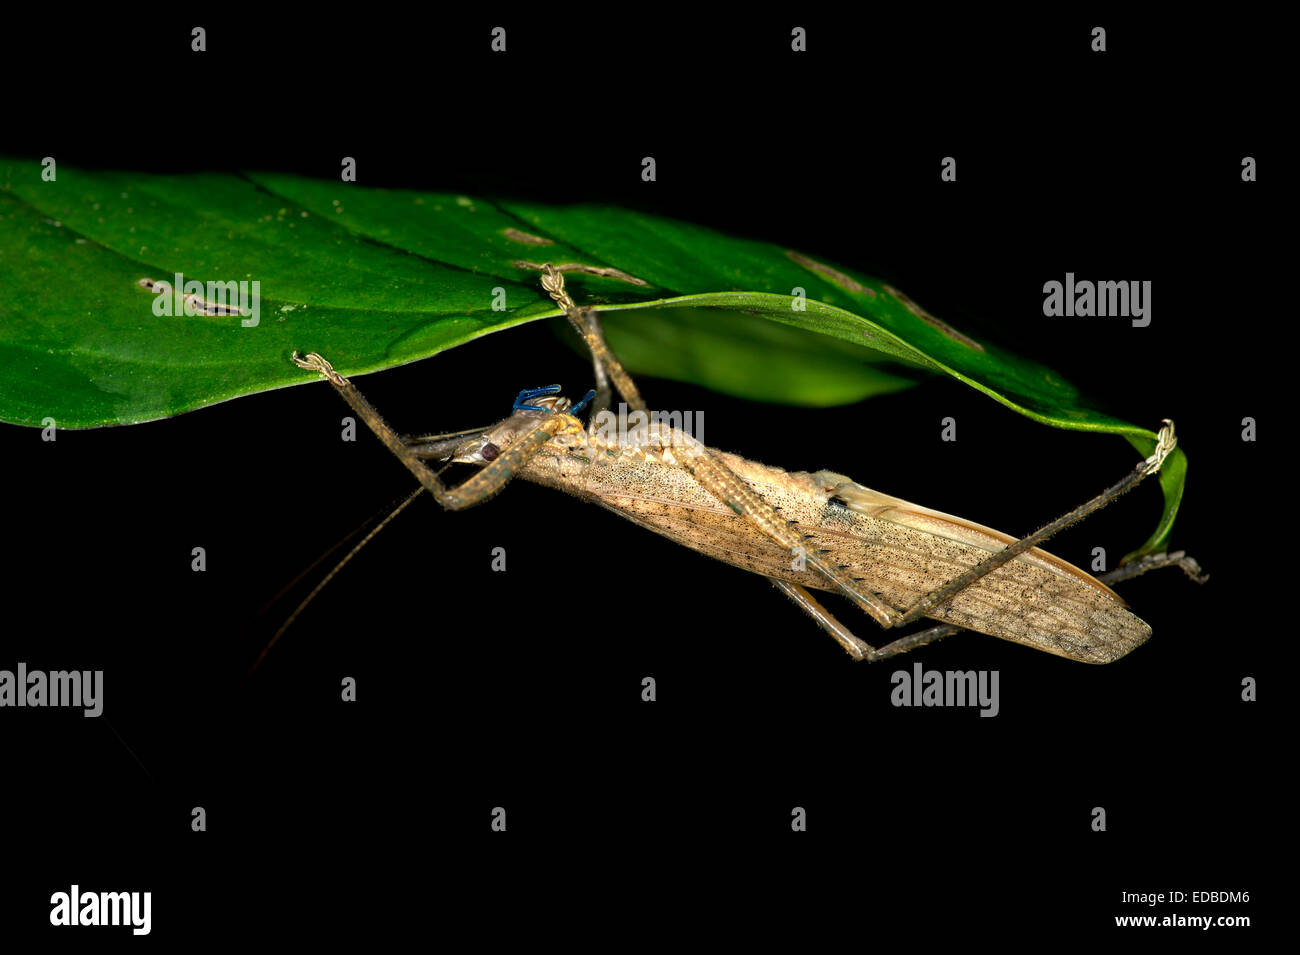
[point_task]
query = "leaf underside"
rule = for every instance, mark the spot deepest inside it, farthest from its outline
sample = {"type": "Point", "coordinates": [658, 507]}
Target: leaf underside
{"type": "Point", "coordinates": [374, 278]}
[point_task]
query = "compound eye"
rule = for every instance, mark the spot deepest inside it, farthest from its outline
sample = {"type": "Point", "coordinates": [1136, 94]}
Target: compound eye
{"type": "Point", "coordinates": [489, 451]}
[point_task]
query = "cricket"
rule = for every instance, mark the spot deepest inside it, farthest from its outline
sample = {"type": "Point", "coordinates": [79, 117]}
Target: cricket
{"type": "Point", "coordinates": [899, 562]}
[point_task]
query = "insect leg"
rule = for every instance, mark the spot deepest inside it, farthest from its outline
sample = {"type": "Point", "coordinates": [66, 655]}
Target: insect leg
{"type": "Point", "coordinates": [720, 481]}
{"type": "Point", "coordinates": [1165, 443]}
{"type": "Point", "coordinates": [487, 482]}
{"type": "Point", "coordinates": [602, 400]}
{"type": "Point", "coordinates": [912, 641]}
{"type": "Point", "coordinates": [861, 651]}
{"type": "Point", "coordinates": [857, 648]}
{"type": "Point", "coordinates": [1151, 562]}
{"type": "Point", "coordinates": [608, 368]}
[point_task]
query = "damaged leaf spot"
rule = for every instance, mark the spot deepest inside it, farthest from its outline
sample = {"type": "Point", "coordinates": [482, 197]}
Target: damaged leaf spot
{"type": "Point", "coordinates": [929, 319]}
{"type": "Point", "coordinates": [518, 236]}
{"type": "Point", "coordinates": [200, 305]}
{"type": "Point", "coordinates": [211, 308]}
{"type": "Point", "coordinates": [602, 271]}
{"type": "Point", "coordinates": [826, 272]}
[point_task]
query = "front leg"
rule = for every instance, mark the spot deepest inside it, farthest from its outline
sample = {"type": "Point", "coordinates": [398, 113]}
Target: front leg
{"type": "Point", "coordinates": [607, 367]}
{"type": "Point", "coordinates": [483, 485]}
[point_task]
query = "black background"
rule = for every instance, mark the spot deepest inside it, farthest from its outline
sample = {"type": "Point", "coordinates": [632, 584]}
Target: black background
{"type": "Point", "coordinates": [629, 819]}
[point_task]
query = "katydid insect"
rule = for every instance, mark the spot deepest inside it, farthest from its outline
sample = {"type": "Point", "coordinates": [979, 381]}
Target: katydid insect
{"type": "Point", "coordinates": [898, 561]}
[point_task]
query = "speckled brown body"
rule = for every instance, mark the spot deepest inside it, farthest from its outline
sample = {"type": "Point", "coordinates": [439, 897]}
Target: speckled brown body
{"type": "Point", "coordinates": [898, 550]}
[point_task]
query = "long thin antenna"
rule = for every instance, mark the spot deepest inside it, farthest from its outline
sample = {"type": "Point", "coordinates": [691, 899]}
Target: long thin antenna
{"type": "Point", "coordinates": [365, 525]}
{"type": "Point", "coordinates": [330, 576]}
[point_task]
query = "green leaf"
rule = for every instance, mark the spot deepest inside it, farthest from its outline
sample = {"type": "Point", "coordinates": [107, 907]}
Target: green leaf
{"type": "Point", "coordinates": [373, 278]}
